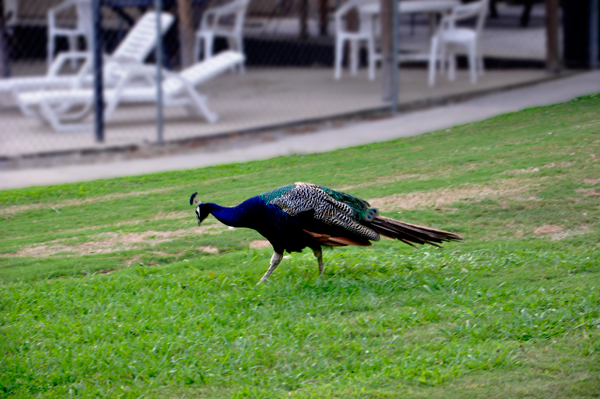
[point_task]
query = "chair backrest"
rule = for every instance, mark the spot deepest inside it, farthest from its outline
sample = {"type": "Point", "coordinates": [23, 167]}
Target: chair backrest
{"type": "Point", "coordinates": [235, 8]}
{"type": "Point", "coordinates": [461, 12]}
{"type": "Point", "coordinates": [142, 38]}
{"type": "Point", "coordinates": [364, 21]}
{"type": "Point", "coordinates": [84, 16]}
{"type": "Point", "coordinates": [240, 14]}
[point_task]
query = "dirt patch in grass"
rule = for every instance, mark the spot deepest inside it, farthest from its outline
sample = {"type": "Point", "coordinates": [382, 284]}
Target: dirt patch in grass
{"type": "Point", "coordinates": [535, 169]}
{"type": "Point", "coordinates": [589, 192]}
{"type": "Point", "coordinates": [548, 229]}
{"type": "Point", "coordinates": [509, 189]}
{"type": "Point", "coordinates": [258, 244]}
{"type": "Point", "coordinates": [209, 249]}
{"type": "Point", "coordinates": [11, 210]}
{"type": "Point", "coordinates": [111, 242]}
{"type": "Point", "coordinates": [591, 181]}
{"type": "Point", "coordinates": [557, 233]}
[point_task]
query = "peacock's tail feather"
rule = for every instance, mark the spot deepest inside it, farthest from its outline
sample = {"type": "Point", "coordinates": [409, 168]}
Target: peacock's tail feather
{"type": "Point", "coordinates": [411, 233]}
{"type": "Point", "coordinates": [325, 239]}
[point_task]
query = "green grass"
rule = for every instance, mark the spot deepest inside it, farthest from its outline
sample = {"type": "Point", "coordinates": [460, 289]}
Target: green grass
{"type": "Point", "coordinates": [109, 288]}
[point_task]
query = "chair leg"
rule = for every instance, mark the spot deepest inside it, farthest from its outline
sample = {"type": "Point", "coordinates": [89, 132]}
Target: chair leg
{"type": "Point", "coordinates": [200, 103]}
{"type": "Point", "coordinates": [443, 58]}
{"type": "Point", "coordinates": [240, 47]}
{"type": "Point", "coordinates": [480, 66]}
{"type": "Point", "coordinates": [371, 55]}
{"type": "Point", "coordinates": [433, 60]}
{"type": "Point", "coordinates": [197, 48]}
{"type": "Point", "coordinates": [451, 66]}
{"type": "Point", "coordinates": [47, 114]}
{"type": "Point", "coordinates": [339, 53]}
{"type": "Point", "coordinates": [208, 46]}
{"type": "Point", "coordinates": [50, 49]}
{"type": "Point", "coordinates": [72, 39]}
{"type": "Point", "coordinates": [354, 57]}
{"type": "Point", "coordinates": [473, 63]}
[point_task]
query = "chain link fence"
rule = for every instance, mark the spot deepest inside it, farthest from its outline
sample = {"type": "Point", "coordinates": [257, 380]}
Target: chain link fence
{"type": "Point", "coordinates": [287, 80]}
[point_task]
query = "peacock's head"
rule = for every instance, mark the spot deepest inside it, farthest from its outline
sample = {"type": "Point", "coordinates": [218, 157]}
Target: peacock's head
{"type": "Point", "coordinates": [201, 210]}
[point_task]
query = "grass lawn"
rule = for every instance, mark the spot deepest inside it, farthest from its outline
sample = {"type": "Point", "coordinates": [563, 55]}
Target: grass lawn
{"type": "Point", "coordinates": [110, 289]}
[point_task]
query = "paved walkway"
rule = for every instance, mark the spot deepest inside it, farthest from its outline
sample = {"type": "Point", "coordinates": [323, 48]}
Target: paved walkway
{"type": "Point", "coordinates": [403, 125]}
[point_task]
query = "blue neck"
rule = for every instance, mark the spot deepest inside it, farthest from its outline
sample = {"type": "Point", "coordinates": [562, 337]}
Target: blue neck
{"type": "Point", "coordinates": [231, 216]}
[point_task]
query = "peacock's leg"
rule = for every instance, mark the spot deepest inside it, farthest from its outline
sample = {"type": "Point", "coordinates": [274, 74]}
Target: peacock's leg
{"type": "Point", "coordinates": [319, 255]}
{"type": "Point", "coordinates": [275, 259]}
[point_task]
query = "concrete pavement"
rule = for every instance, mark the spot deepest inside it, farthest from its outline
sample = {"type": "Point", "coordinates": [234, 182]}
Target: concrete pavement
{"type": "Point", "coordinates": [403, 125]}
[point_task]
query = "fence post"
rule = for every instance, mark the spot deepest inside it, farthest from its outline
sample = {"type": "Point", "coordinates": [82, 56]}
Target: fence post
{"type": "Point", "coordinates": [159, 66]}
{"type": "Point", "coordinates": [4, 52]}
{"type": "Point", "coordinates": [593, 32]}
{"type": "Point", "coordinates": [395, 55]}
{"type": "Point", "coordinates": [98, 82]}
{"type": "Point", "coordinates": [552, 45]}
{"type": "Point", "coordinates": [389, 52]}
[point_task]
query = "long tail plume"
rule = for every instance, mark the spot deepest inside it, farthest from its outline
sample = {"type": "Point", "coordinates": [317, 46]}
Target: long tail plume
{"type": "Point", "coordinates": [411, 233]}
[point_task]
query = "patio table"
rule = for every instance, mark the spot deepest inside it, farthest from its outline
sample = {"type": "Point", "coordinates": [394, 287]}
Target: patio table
{"type": "Point", "coordinates": [431, 7]}
{"type": "Point", "coordinates": [414, 6]}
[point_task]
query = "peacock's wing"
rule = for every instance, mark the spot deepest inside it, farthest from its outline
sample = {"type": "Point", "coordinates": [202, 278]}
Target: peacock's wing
{"type": "Point", "coordinates": [332, 208]}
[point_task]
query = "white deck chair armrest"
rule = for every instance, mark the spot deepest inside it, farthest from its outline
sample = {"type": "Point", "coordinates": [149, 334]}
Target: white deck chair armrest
{"type": "Point", "coordinates": [65, 56]}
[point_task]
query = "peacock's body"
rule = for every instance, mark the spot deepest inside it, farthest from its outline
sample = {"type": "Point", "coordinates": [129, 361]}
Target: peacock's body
{"type": "Point", "coordinates": [305, 215]}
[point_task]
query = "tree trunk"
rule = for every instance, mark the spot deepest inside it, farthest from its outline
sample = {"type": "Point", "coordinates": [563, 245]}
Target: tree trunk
{"type": "Point", "coordinates": [323, 17]}
{"type": "Point", "coordinates": [186, 32]}
{"type": "Point", "coordinates": [303, 19]}
{"type": "Point", "coordinates": [552, 46]}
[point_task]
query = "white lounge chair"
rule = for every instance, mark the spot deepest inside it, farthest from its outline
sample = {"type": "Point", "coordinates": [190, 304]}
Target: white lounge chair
{"type": "Point", "coordinates": [449, 36]}
{"type": "Point", "coordinates": [364, 34]}
{"type": "Point", "coordinates": [134, 48]}
{"type": "Point", "coordinates": [82, 28]}
{"type": "Point", "coordinates": [223, 21]}
{"type": "Point", "coordinates": [178, 90]}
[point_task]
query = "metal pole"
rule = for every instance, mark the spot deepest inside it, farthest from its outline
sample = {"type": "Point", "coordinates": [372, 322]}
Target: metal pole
{"type": "Point", "coordinates": [98, 83]}
{"type": "Point", "coordinates": [4, 52]}
{"type": "Point", "coordinates": [387, 57]}
{"type": "Point", "coordinates": [159, 63]}
{"type": "Point", "coordinates": [395, 55]}
{"type": "Point", "coordinates": [593, 40]}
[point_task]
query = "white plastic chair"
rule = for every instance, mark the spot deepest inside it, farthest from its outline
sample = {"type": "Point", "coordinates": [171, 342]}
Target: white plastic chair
{"type": "Point", "coordinates": [134, 48]}
{"type": "Point", "coordinates": [178, 90]}
{"type": "Point", "coordinates": [82, 28]}
{"type": "Point", "coordinates": [223, 21]}
{"type": "Point", "coordinates": [449, 36]}
{"type": "Point", "coordinates": [365, 34]}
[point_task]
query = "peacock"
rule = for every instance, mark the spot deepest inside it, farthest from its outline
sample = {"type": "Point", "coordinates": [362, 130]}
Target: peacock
{"type": "Point", "coordinates": [304, 215]}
